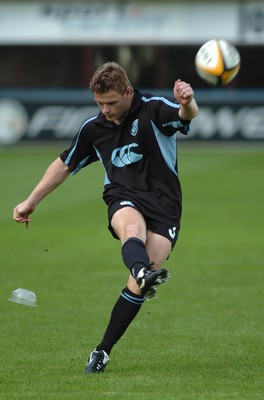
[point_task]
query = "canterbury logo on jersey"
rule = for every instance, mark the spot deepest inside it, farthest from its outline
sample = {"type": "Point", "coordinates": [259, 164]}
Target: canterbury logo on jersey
{"type": "Point", "coordinates": [123, 156]}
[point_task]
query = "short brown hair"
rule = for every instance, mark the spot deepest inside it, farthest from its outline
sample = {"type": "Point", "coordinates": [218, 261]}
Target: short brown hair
{"type": "Point", "coordinates": [110, 76]}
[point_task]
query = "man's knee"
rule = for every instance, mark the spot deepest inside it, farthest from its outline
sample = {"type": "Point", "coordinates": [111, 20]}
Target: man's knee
{"type": "Point", "coordinates": [128, 222]}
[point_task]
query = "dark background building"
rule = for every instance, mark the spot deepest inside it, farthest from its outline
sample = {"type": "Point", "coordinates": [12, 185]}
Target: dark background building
{"type": "Point", "coordinates": [148, 66]}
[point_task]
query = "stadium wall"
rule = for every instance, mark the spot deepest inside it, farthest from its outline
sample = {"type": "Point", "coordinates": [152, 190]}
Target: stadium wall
{"type": "Point", "coordinates": [29, 116]}
{"type": "Point", "coordinates": [102, 22]}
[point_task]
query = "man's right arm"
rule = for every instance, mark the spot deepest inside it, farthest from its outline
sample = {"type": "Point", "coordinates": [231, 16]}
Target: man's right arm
{"type": "Point", "coordinates": [56, 174]}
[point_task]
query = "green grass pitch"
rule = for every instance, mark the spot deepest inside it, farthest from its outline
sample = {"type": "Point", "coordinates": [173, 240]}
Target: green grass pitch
{"type": "Point", "coordinates": [202, 339]}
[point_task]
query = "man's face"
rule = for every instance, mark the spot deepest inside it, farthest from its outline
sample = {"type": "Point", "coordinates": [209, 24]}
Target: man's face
{"type": "Point", "coordinates": [114, 105]}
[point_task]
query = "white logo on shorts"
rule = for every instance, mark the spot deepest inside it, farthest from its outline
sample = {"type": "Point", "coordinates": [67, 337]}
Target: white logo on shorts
{"type": "Point", "coordinates": [172, 232]}
{"type": "Point", "coordinates": [127, 203]}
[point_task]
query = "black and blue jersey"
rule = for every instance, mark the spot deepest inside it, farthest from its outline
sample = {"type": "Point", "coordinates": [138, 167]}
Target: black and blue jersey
{"type": "Point", "coordinates": [139, 156]}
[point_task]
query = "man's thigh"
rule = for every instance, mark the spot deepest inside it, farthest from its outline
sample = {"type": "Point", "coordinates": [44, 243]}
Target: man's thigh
{"type": "Point", "coordinates": [128, 222]}
{"type": "Point", "coordinates": [158, 248]}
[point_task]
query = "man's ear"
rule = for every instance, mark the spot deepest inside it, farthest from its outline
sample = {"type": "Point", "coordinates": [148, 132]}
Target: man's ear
{"type": "Point", "coordinates": [129, 90]}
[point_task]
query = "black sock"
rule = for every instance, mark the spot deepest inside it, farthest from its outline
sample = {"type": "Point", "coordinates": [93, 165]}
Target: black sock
{"type": "Point", "coordinates": [135, 255]}
{"type": "Point", "coordinates": [123, 313]}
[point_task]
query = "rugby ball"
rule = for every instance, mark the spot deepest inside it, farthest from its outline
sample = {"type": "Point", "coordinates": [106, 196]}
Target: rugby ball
{"type": "Point", "coordinates": [217, 62]}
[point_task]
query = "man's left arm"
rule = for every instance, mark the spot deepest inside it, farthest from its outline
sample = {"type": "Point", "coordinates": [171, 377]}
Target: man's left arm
{"type": "Point", "coordinates": [184, 94]}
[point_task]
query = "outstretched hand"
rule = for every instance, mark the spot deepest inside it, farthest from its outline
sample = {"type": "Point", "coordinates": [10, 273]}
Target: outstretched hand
{"type": "Point", "coordinates": [56, 173]}
{"type": "Point", "coordinates": [21, 213]}
{"type": "Point", "coordinates": [183, 92]}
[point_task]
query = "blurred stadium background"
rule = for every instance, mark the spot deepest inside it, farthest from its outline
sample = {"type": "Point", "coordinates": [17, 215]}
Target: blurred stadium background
{"type": "Point", "coordinates": [48, 51]}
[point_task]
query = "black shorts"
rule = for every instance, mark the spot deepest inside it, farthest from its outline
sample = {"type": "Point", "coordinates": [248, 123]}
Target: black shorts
{"type": "Point", "coordinates": [163, 229]}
